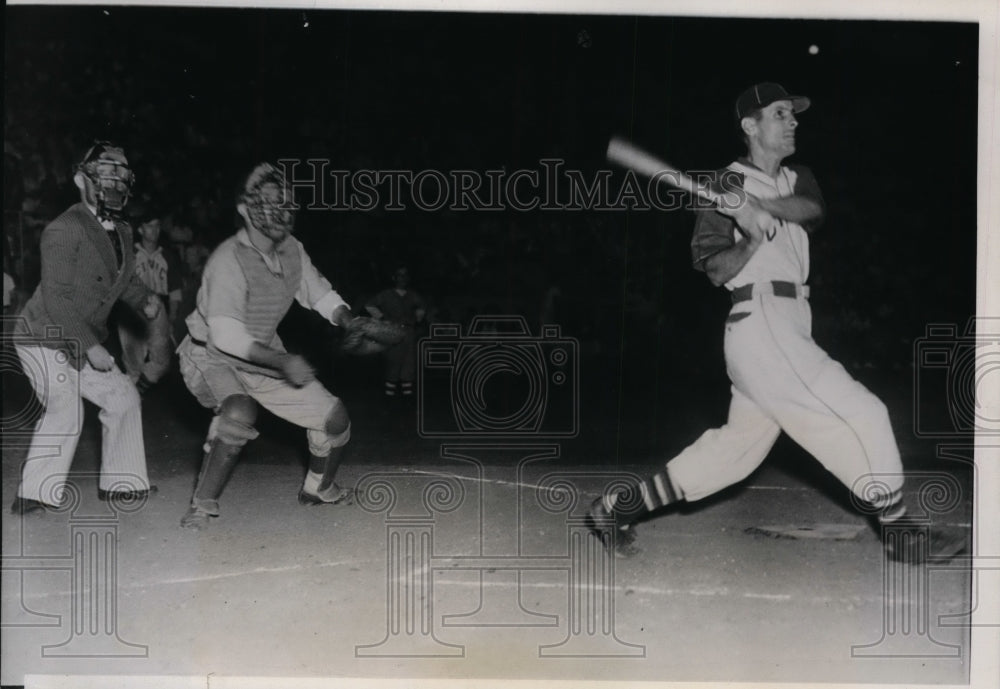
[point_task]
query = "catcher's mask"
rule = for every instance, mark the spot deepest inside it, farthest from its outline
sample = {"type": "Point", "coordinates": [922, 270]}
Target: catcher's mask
{"type": "Point", "coordinates": [269, 201]}
{"type": "Point", "coordinates": [110, 177]}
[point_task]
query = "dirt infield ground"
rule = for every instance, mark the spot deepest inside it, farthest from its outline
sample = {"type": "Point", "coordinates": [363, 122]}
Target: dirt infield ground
{"type": "Point", "coordinates": [469, 560]}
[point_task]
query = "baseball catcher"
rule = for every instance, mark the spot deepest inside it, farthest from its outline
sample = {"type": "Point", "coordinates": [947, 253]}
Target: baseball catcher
{"type": "Point", "coordinates": [232, 359]}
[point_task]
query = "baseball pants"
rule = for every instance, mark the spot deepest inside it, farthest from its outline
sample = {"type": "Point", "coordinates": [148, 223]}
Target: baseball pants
{"type": "Point", "coordinates": [211, 381]}
{"type": "Point", "coordinates": [401, 359]}
{"type": "Point", "coordinates": [61, 389]}
{"type": "Point", "coordinates": [783, 381]}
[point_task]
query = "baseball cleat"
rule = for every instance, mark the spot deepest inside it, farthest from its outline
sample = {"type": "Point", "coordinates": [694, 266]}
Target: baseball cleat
{"type": "Point", "coordinates": [195, 519]}
{"type": "Point", "coordinates": [198, 514]}
{"type": "Point", "coordinates": [618, 541]}
{"type": "Point", "coordinates": [333, 495]}
{"type": "Point", "coordinates": [915, 544]}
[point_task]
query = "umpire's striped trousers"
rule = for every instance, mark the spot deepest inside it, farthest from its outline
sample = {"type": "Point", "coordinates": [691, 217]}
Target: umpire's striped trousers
{"type": "Point", "coordinates": [61, 389]}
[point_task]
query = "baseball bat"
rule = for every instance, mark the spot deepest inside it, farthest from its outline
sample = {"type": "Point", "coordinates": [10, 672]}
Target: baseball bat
{"type": "Point", "coordinates": [628, 155]}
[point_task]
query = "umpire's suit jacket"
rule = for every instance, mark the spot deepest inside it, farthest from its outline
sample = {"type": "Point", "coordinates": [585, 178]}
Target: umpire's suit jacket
{"type": "Point", "coordinates": [81, 281]}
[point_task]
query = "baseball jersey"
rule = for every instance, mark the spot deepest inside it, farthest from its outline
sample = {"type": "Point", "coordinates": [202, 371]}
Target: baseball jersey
{"type": "Point", "coordinates": [158, 270]}
{"type": "Point", "coordinates": [784, 255]}
{"type": "Point", "coordinates": [224, 291]}
{"type": "Point", "coordinates": [398, 308]}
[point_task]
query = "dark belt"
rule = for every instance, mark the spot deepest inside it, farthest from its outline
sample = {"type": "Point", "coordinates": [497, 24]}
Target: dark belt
{"type": "Point", "coordinates": [779, 288]}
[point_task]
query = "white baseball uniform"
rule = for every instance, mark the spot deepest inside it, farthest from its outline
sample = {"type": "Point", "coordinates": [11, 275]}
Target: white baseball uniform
{"type": "Point", "coordinates": [781, 379]}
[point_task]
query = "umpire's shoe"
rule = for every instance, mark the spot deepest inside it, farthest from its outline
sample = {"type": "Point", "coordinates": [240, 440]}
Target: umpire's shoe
{"type": "Point", "coordinates": [23, 506]}
{"type": "Point", "coordinates": [128, 497]}
{"type": "Point", "coordinates": [910, 542]}
{"type": "Point", "coordinates": [617, 540]}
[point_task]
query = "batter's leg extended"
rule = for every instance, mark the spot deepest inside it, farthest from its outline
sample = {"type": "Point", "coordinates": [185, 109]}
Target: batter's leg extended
{"type": "Point", "coordinates": [718, 459]}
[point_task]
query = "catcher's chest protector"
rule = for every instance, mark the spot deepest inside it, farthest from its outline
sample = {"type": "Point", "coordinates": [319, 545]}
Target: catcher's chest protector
{"type": "Point", "coordinates": [269, 295]}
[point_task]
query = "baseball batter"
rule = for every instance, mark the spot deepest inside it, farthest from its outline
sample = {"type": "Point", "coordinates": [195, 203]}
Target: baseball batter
{"type": "Point", "coordinates": [781, 379]}
{"type": "Point", "coordinates": [232, 359]}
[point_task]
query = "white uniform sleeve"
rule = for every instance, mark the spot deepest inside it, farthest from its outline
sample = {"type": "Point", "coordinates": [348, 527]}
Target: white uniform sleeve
{"type": "Point", "coordinates": [315, 292]}
{"type": "Point", "coordinates": [230, 335]}
{"type": "Point", "coordinates": [222, 299]}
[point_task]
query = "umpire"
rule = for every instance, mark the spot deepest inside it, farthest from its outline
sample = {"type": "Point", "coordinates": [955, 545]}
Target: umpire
{"type": "Point", "coordinates": [87, 265]}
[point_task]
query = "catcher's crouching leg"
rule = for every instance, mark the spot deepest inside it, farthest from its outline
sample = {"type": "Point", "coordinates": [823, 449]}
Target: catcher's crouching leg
{"type": "Point", "coordinates": [230, 430]}
{"type": "Point", "coordinates": [326, 449]}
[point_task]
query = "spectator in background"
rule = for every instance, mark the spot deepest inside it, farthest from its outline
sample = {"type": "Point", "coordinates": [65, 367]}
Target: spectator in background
{"type": "Point", "coordinates": [147, 355]}
{"type": "Point", "coordinates": [399, 304]}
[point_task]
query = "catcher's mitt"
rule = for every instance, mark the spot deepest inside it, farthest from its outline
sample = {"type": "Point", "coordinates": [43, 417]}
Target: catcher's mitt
{"type": "Point", "coordinates": [364, 336]}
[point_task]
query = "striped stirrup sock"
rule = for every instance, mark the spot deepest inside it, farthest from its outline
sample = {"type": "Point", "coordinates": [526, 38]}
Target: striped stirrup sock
{"type": "Point", "coordinates": [894, 509]}
{"type": "Point", "coordinates": [643, 497]}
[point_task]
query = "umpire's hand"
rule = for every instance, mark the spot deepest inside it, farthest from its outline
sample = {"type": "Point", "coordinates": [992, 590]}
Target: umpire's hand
{"type": "Point", "coordinates": [99, 358]}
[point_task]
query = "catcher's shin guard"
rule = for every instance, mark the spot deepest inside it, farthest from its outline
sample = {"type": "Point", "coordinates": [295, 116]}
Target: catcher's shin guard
{"type": "Point", "coordinates": [215, 470]}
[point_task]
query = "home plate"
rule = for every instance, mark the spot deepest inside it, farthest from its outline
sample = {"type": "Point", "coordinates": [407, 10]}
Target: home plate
{"type": "Point", "coordinates": [828, 532]}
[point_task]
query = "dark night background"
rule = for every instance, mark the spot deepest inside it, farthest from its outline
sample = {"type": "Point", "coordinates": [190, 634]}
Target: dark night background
{"type": "Point", "coordinates": [198, 95]}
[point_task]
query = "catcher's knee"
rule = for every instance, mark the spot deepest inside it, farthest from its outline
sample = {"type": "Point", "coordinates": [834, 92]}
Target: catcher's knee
{"type": "Point", "coordinates": [321, 442]}
{"type": "Point", "coordinates": [336, 432]}
{"type": "Point", "coordinates": [234, 421]}
{"type": "Point", "coordinates": [337, 420]}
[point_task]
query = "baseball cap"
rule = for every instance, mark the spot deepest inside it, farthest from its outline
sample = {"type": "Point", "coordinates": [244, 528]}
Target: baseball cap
{"type": "Point", "coordinates": [762, 95]}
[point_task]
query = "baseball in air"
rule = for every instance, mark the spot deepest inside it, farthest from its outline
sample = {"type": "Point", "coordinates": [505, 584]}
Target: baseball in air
{"type": "Point", "coordinates": [814, 49]}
